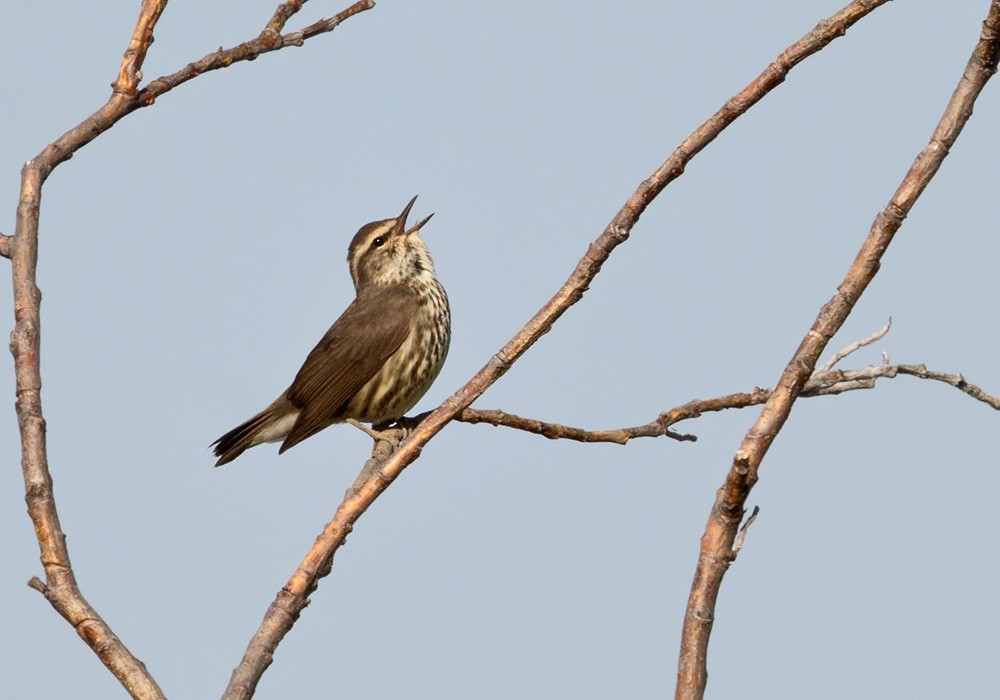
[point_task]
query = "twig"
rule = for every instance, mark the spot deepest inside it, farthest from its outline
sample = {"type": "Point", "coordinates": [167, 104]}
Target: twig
{"type": "Point", "coordinates": [956, 380]}
{"type": "Point", "coordinates": [738, 544]}
{"type": "Point", "coordinates": [269, 40]}
{"type": "Point", "coordinates": [554, 431]}
{"type": "Point", "coordinates": [727, 511]}
{"type": "Point", "coordinates": [60, 587]}
{"type": "Point", "coordinates": [327, 24]}
{"type": "Point", "coordinates": [130, 72]}
{"type": "Point", "coordinates": [282, 14]}
{"type": "Point", "coordinates": [854, 347]}
{"type": "Point", "coordinates": [293, 597]}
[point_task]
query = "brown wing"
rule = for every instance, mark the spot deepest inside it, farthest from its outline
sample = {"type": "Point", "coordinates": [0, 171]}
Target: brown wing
{"type": "Point", "coordinates": [357, 345]}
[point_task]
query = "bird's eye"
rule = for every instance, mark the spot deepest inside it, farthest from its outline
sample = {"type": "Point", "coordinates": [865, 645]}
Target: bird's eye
{"type": "Point", "coordinates": [377, 243]}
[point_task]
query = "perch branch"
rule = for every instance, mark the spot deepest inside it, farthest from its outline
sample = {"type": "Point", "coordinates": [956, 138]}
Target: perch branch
{"type": "Point", "coordinates": [60, 587]}
{"type": "Point", "coordinates": [727, 511]}
{"type": "Point", "coordinates": [293, 597]}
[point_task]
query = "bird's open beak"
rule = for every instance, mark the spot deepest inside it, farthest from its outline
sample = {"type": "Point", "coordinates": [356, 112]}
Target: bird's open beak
{"type": "Point", "coordinates": [416, 228]}
{"type": "Point", "coordinates": [400, 229]}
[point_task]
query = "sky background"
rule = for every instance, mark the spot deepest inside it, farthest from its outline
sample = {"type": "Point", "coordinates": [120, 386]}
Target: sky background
{"type": "Point", "coordinates": [194, 254]}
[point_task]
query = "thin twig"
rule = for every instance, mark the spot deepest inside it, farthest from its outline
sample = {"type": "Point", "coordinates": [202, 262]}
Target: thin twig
{"type": "Point", "coordinates": [728, 509]}
{"type": "Point", "coordinates": [854, 347]}
{"type": "Point", "coordinates": [282, 14]}
{"type": "Point", "coordinates": [327, 24]}
{"type": "Point", "coordinates": [554, 431]}
{"type": "Point", "coordinates": [956, 380]}
{"type": "Point", "coordinates": [738, 544]}
{"type": "Point", "coordinates": [5, 244]}
{"type": "Point", "coordinates": [269, 40]}
{"type": "Point", "coordinates": [130, 73]}
{"type": "Point", "coordinates": [838, 381]}
{"type": "Point", "coordinates": [293, 597]}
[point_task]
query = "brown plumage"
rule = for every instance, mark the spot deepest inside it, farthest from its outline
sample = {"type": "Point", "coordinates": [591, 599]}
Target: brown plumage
{"type": "Point", "coordinates": [378, 359]}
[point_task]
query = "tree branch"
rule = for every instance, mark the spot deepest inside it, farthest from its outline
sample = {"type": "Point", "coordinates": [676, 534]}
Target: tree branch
{"type": "Point", "coordinates": [554, 431]}
{"type": "Point", "coordinates": [269, 40]}
{"type": "Point", "coordinates": [60, 587]}
{"type": "Point", "coordinates": [130, 72]}
{"type": "Point", "coordinates": [727, 512]}
{"type": "Point", "coordinates": [293, 597]}
{"type": "Point", "coordinates": [821, 384]}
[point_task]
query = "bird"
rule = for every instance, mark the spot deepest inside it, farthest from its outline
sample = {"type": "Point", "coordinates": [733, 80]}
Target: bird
{"type": "Point", "coordinates": [377, 359]}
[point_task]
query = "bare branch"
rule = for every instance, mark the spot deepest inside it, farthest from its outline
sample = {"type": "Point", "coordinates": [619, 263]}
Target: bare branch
{"type": "Point", "coordinates": [327, 24]}
{"type": "Point", "coordinates": [293, 597]}
{"type": "Point", "coordinates": [727, 511]}
{"type": "Point", "coordinates": [125, 99]}
{"type": "Point", "coordinates": [135, 55]}
{"type": "Point", "coordinates": [269, 40]}
{"type": "Point", "coordinates": [282, 14]}
{"type": "Point", "coordinates": [554, 431]}
{"type": "Point", "coordinates": [956, 380]}
{"type": "Point", "coordinates": [820, 384]}
{"type": "Point", "coordinates": [60, 587]}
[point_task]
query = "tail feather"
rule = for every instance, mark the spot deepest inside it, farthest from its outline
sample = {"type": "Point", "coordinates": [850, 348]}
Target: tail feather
{"type": "Point", "coordinates": [242, 437]}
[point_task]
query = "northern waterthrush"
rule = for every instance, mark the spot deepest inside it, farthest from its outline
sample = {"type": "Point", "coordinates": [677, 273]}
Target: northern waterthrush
{"type": "Point", "coordinates": [378, 359]}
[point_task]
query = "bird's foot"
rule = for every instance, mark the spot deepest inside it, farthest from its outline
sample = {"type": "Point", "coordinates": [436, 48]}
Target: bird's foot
{"type": "Point", "coordinates": [403, 425]}
{"type": "Point", "coordinates": [392, 432]}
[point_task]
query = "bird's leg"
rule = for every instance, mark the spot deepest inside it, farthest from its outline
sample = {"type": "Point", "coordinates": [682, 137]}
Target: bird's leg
{"type": "Point", "coordinates": [393, 431]}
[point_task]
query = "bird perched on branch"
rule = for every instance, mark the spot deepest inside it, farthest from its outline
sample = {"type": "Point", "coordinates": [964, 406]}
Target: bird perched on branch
{"type": "Point", "coordinates": [378, 359]}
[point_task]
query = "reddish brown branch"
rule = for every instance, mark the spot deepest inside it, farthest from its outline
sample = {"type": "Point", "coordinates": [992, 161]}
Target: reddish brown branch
{"type": "Point", "coordinates": [269, 40]}
{"type": "Point", "coordinates": [555, 431]}
{"type": "Point", "coordinates": [135, 55]}
{"type": "Point", "coordinates": [290, 601]}
{"type": "Point", "coordinates": [282, 14]}
{"type": "Point", "coordinates": [60, 587]}
{"type": "Point", "coordinates": [727, 512]}
{"type": "Point", "coordinates": [126, 98]}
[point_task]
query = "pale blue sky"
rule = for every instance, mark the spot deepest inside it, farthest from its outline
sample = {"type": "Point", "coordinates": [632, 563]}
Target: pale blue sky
{"type": "Point", "coordinates": [194, 254]}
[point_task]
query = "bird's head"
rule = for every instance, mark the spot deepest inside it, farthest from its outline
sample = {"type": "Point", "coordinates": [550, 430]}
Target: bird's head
{"type": "Point", "coordinates": [386, 252]}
